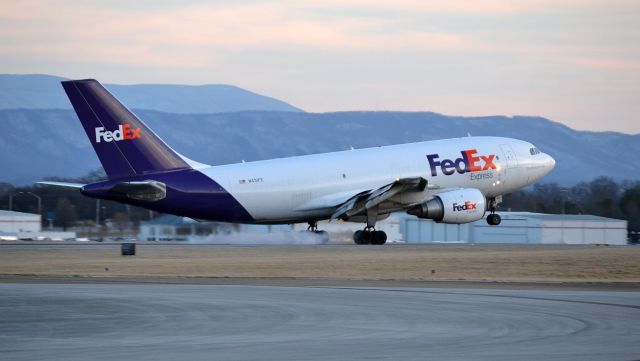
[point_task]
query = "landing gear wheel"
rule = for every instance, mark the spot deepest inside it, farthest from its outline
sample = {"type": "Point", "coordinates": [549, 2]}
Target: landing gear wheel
{"type": "Point", "coordinates": [494, 219]}
{"type": "Point", "coordinates": [369, 236]}
{"type": "Point", "coordinates": [357, 237]}
{"type": "Point", "coordinates": [366, 237]}
{"type": "Point", "coordinates": [378, 237]}
{"type": "Point", "coordinates": [323, 236]}
{"type": "Point", "coordinates": [362, 237]}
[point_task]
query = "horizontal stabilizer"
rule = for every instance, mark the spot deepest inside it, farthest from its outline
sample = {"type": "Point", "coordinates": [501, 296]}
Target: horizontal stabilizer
{"type": "Point", "coordinates": [62, 184]}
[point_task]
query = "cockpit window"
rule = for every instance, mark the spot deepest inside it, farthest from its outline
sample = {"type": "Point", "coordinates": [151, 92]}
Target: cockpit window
{"type": "Point", "coordinates": [534, 151]}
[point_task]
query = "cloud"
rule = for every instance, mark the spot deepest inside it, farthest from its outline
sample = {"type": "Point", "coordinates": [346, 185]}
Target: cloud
{"type": "Point", "coordinates": [481, 7]}
{"type": "Point", "coordinates": [193, 32]}
{"type": "Point", "coordinates": [347, 54]}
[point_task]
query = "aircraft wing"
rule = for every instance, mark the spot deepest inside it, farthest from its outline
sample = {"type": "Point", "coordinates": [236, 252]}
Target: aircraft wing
{"type": "Point", "coordinates": [360, 202]}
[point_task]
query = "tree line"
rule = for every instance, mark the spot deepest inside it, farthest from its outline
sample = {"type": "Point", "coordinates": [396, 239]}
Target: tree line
{"type": "Point", "coordinates": [602, 196]}
{"type": "Point", "coordinates": [68, 207]}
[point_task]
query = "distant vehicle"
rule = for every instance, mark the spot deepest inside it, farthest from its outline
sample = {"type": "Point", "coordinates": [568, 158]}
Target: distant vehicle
{"type": "Point", "coordinates": [450, 181]}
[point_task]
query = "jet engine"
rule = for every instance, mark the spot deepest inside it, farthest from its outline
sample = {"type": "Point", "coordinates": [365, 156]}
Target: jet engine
{"type": "Point", "coordinates": [460, 206]}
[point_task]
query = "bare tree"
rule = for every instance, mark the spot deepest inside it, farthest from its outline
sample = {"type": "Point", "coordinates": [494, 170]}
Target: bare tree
{"type": "Point", "coordinates": [66, 214]}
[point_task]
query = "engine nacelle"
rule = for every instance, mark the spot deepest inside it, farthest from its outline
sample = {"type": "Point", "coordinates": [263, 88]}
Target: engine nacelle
{"type": "Point", "coordinates": [459, 206]}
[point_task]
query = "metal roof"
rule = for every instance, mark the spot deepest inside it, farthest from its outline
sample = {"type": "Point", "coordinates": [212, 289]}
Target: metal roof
{"type": "Point", "coordinates": [531, 215]}
{"type": "Point", "coordinates": [5, 213]}
{"type": "Point", "coordinates": [169, 220]}
{"type": "Point", "coordinates": [556, 217]}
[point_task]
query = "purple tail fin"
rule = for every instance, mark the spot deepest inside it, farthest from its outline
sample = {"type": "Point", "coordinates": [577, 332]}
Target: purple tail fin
{"type": "Point", "coordinates": [125, 145]}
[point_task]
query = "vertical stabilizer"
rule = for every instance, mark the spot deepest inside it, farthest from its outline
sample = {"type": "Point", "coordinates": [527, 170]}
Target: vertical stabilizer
{"type": "Point", "coordinates": [124, 144]}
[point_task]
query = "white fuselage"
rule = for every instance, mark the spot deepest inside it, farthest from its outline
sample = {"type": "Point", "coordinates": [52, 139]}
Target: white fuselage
{"type": "Point", "coordinates": [450, 180]}
{"type": "Point", "coordinates": [299, 189]}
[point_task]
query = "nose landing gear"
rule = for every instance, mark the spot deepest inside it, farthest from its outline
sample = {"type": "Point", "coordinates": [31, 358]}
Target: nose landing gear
{"type": "Point", "coordinates": [493, 219]}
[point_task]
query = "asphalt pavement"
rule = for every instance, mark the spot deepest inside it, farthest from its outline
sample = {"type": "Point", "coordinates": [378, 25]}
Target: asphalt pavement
{"type": "Point", "coordinates": [214, 322]}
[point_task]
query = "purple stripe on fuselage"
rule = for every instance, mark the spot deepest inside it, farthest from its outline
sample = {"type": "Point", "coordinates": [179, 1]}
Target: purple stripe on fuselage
{"type": "Point", "coordinates": [189, 193]}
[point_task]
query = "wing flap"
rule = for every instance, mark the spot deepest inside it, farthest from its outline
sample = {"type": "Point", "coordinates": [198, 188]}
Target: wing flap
{"type": "Point", "coordinates": [329, 201]}
{"type": "Point", "coordinates": [346, 207]}
{"type": "Point", "coordinates": [370, 199]}
{"type": "Point", "coordinates": [399, 186]}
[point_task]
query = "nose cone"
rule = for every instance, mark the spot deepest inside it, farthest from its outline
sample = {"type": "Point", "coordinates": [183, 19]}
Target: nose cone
{"type": "Point", "coordinates": [549, 163]}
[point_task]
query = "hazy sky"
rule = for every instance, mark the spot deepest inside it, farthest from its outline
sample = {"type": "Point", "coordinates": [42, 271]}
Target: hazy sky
{"type": "Point", "coordinates": [574, 61]}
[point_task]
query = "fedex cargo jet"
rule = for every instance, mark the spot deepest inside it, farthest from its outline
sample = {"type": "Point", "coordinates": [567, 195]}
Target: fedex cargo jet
{"type": "Point", "coordinates": [450, 181]}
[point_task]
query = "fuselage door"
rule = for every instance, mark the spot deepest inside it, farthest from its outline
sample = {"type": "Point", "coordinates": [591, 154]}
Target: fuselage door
{"type": "Point", "coordinates": [509, 155]}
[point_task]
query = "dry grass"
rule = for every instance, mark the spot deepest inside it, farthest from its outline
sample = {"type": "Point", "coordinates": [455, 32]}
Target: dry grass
{"type": "Point", "coordinates": [397, 262]}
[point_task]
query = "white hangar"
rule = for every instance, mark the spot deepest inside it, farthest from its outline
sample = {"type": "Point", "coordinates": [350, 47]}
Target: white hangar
{"type": "Point", "coordinates": [520, 227]}
{"type": "Point", "coordinates": [14, 222]}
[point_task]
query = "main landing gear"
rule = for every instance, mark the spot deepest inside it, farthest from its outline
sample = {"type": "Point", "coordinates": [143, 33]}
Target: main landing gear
{"type": "Point", "coordinates": [370, 236]}
{"type": "Point", "coordinates": [313, 227]}
{"type": "Point", "coordinates": [493, 219]}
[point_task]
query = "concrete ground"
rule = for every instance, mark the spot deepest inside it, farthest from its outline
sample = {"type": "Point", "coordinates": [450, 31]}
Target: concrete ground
{"type": "Point", "coordinates": [71, 301]}
{"type": "Point", "coordinates": [205, 322]}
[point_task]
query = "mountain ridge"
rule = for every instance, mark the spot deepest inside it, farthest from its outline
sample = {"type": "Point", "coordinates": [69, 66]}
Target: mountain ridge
{"type": "Point", "coordinates": [41, 91]}
{"type": "Point", "coordinates": [224, 138]}
{"type": "Point", "coordinates": [46, 139]}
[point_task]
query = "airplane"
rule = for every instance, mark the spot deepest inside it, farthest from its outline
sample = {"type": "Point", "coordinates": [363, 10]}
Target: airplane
{"type": "Point", "coordinates": [450, 181]}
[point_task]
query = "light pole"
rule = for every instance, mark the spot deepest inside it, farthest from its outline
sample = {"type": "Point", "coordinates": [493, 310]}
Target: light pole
{"type": "Point", "coordinates": [30, 193]}
{"type": "Point", "coordinates": [97, 212]}
{"type": "Point", "coordinates": [564, 192]}
{"type": "Point", "coordinates": [39, 201]}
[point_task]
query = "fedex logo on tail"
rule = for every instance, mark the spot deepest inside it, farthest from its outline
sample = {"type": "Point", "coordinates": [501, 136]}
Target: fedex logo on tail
{"type": "Point", "coordinates": [124, 132]}
{"type": "Point", "coordinates": [468, 162]}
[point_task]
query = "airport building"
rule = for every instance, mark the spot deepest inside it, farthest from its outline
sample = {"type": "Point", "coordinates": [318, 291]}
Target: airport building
{"type": "Point", "coordinates": [521, 228]}
{"type": "Point", "coordinates": [27, 226]}
{"type": "Point", "coordinates": [174, 228]}
{"type": "Point", "coordinates": [14, 222]}
{"type": "Point", "coordinates": [516, 227]}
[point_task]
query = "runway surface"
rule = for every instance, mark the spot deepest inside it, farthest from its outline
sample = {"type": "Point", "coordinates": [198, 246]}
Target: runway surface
{"type": "Point", "coordinates": [208, 322]}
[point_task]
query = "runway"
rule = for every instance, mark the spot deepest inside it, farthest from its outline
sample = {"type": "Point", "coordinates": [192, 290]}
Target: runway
{"type": "Point", "coordinates": [206, 322]}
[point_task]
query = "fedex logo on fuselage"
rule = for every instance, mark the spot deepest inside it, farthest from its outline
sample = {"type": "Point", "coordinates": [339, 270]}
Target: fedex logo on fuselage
{"type": "Point", "coordinates": [468, 162]}
{"type": "Point", "coordinates": [124, 132]}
